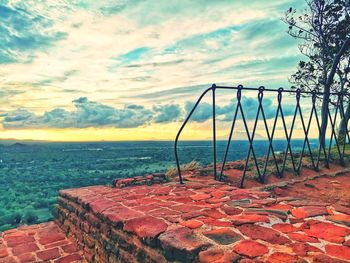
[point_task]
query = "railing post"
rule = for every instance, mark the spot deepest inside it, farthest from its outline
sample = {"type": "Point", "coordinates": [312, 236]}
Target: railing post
{"type": "Point", "coordinates": [214, 131]}
{"type": "Point", "coordinates": [179, 133]}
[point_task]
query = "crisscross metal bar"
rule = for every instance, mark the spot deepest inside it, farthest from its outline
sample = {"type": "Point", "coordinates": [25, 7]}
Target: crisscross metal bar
{"type": "Point", "coordinates": [288, 137]}
{"type": "Point", "coordinates": [239, 90]}
{"type": "Point", "coordinates": [306, 140]}
{"type": "Point", "coordinates": [306, 127]}
{"type": "Point", "coordinates": [251, 138]}
{"type": "Point", "coordinates": [270, 148]}
{"type": "Point", "coordinates": [333, 134]}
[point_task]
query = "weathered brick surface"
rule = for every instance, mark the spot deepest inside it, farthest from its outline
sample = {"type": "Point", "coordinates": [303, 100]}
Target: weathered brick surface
{"type": "Point", "coordinates": [201, 221]}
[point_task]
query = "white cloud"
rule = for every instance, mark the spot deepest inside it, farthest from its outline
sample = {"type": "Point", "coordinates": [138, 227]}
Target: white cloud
{"type": "Point", "coordinates": [98, 31]}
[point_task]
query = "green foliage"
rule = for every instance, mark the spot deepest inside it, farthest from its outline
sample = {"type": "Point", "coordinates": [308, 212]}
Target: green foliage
{"type": "Point", "coordinates": [12, 219]}
{"type": "Point", "coordinates": [323, 28]}
{"type": "Point", "coordinates": [30, 217]}
{"type": "Point", "coordinates": [32, 175]}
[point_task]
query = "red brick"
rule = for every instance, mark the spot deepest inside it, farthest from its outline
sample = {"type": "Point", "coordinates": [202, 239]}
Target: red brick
{"type": "Point", "coordinates": [192, 224]}
{"type": "Point", "coordinates": [328, 232]}
{"type": "Point", "coordinates": [199, 197]}
{"type": "Point", "coordinates": [69, 258]}
{"type": "Point", "coordinates": [284, 228]}
{"type": "Point", "coordinates": [24, 248]}
{"type": "Point", "coordinates": [231, 210]}
{"type": "Point", "coordinates": [159, 190]}
{"type": "Point", "coordinates": [248, 219]}
{"type": "Point", "coordinates": [214, 222]}
{"type": "Point", "coordinates": [192, 214]}
{"type": "Point", "coordinates": [214, 213]}
{"type": "Point", "coordinates": [163, 212]}
{"type": "Point", "coordinates": [341, 252]}
{"type": "Point", "coordinates": [172, 218]}
{"type": "Point", "coordinates": [342, 209]}
{"type": "Point", "coordinates": [147, 226]}
{"type": "Point", "coordinates": [146, 208]}
{"type": "Point", "coordinates": [263, 233]}
{"type": "Point", "coordinates": [138, 198]}
{"type": "Point", "coordinates": [322, 258]}
{"type": "Point", "coordinates": [121, 214]}
{"type": "Point", "coordinates": [241, 192]}
{"type": "Point", "coordinates": [302, 238]}
{"type": "Point", "coordinates": [218, 194]}
{"type": "Point", "coordinates": [27, 257]}
{"type": "Point", "coordinates": [340, 219]}
{"type": "Point", "coordinates": [100, 205]}
{"type": "Point", "coordinates": [13, 233]}
{"type": "Point", "coordinates": [279, 257]}
{"type": "Point", "coordinates": [147, 201]}
{"type": "Point", "coordinates": [48, 254]}
{"type": "Point", "coordinates": [217, 255]}
{"type": "Point", "coordinates": [309, 211]}
{"type": "Point", "coordinates": [183, 200]}
{"type": "Point", "coordinates": [71, 248]}
{"type": "Point", "coordinates": [227, 188]}
{"type": "Point", "coordinates": [217, 201]}
{"type": "Point", "coordinates": [3, 252]}
{"type": "Point", "coordinates": [57, 244]}
{"type": "Point", "coordinates": [13, 241]}
{"type": "Point", "coordinates": [185, 208]}
{"type": "Point", "coordinates": [181, 244]}
{"type": "Point", "coordinates": [261, 211]}
{"type": "Point", "coordinates": [128, 203]}
{"type": "Point", "coordinates": [301, 249]}
{"type": "Point", "coordinates": [250, 248]}
{"type": "Point", "coordinates": [51, 238]}
{"type": "Point", "coordinates": [9, 260]}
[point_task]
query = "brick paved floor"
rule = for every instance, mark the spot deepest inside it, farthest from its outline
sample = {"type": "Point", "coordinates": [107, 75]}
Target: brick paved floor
{"type": "Point", "coordinates": [38, 243]}
{"type": "Point", "coordinates": [209, 221]}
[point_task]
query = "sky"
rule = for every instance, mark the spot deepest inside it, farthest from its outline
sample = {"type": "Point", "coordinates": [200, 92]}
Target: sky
{"type": "Point", "coordinates": [131, 69]}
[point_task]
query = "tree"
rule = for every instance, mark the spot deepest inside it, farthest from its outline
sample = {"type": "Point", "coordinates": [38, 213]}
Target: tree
{"type": "Point", "coordinates": [30, 217]}
{"type": "Point", "coordinates": [324, 31]}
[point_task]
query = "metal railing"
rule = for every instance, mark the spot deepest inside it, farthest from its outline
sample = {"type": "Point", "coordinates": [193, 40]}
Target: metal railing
{"type": "Point", "coordinates": [315, 157]}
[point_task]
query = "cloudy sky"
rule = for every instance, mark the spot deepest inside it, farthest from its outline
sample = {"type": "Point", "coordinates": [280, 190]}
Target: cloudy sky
{"type": "Point", "coordinates": [131, 69]}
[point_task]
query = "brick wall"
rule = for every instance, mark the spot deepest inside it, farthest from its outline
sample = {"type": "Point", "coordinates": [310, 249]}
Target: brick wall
{"type": "Point", "coordinates": [100, 240]}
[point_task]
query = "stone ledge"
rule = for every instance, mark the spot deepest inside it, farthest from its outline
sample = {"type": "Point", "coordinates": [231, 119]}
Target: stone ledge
{"type": "Point", "coordinates": [202, 221]}
{"type": "Point", "coordinates": [149, 179]}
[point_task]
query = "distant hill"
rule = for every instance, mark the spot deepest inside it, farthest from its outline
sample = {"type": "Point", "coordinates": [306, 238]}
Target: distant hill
{"type": "Point", "coordinates": [11, 142]}
{"type": "Point", "coordinates": [18, 145]}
